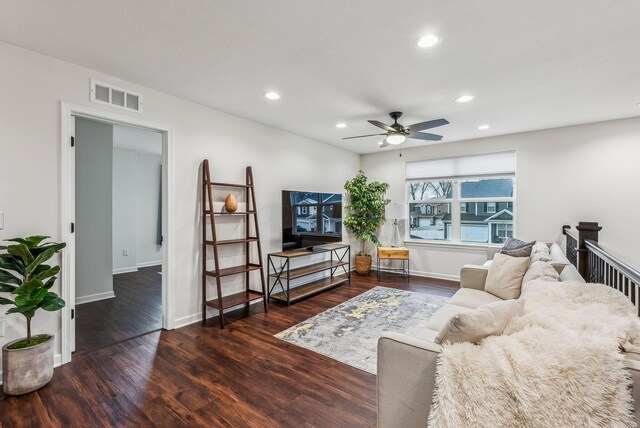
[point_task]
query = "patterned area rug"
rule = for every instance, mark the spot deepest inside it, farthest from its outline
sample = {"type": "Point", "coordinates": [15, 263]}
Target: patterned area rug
{"type": "Point", "coordinates": [350, 331]}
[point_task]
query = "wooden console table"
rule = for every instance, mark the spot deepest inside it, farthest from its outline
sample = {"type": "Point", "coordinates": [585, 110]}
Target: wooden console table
{"type": "Point", "coordinates": [282, 277]}
{"type": "Point", "coordinates": [394, 253]}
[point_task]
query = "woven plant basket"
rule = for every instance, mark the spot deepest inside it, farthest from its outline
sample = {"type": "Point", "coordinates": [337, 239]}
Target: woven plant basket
{"type": "Point", "coordinates": [363, 263]}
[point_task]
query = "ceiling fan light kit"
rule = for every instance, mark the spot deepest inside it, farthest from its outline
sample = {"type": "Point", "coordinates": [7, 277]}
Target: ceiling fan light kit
{"type": "Point", "coordinates": [397, 134]}
{"type": "Point", "coordinates": [395, 139]}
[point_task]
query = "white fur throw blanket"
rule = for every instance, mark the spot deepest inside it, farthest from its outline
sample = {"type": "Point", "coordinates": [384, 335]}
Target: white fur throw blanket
{"type": "Point", "coordinates": [558, 365]}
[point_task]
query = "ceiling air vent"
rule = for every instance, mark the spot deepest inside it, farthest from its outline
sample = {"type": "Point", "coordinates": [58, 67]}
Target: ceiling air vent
{"type": "Point", "coordinates": [116, 97]}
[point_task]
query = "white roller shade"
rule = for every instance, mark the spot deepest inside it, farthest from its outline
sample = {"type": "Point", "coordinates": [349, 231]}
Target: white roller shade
{"type": "Point", "coordinates": [464, 166]}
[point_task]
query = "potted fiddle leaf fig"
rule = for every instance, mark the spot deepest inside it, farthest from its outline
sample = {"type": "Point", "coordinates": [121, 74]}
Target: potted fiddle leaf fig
{"type": "Point", "coordinates": [365, 214]}
{"type": "Point", "coordinates": [27, 363]}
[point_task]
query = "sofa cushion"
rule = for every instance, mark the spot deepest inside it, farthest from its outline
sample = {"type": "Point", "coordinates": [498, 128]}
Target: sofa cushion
{"type": "Point", "coordinates": [516, 248]}
{"type": "Point", "coordinates": [475, 325]}
{"type": "Point", "coordinates": [505, 275]}
{"type": "Point", "coordinates": [427, 334]}
{"type": "Point", "coordinates": [570, 273]}
{"type": "Point", "coordinates": [541, 270]}
{"type": "Point", "coordinates": [442, 315]}
{"type": "Point", "coordinates": [471, 298]}
{"type": "Point", "coordinates": [557, 255]}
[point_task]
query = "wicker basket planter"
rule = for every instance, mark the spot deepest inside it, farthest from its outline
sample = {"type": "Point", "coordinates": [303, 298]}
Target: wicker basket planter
{"type": "Point", "coordinates": [363, 263]}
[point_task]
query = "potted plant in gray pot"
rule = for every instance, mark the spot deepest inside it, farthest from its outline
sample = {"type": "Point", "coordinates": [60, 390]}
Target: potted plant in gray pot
{"type": "Point", "coordinates": [27, 363]}
{"type": "Point", "coordinates": [365, 214]}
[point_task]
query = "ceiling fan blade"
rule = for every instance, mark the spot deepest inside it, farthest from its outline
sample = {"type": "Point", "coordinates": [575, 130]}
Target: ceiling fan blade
{"type": "Point", "coordinates": [382, 144]}
{"type": "Point", "coordinates": [424, 136]}
{"type": "Point", "coordinates": [362, 136]}
{"type": "Point", "coordinates": [382, 125]}
{"type": "Point", "coordinates": [428, 124]}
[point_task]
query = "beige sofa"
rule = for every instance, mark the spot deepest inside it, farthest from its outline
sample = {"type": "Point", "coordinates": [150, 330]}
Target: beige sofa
{"type": "Point", "coordinates": [407, 364]}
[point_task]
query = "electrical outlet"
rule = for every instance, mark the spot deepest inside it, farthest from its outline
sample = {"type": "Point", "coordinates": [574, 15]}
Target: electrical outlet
{"type": "Point", "coordinates": [125, 252]}
{"type": "Point", "coordinates": [1, 326]}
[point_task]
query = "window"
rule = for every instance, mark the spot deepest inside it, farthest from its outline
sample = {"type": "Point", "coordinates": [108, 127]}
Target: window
{"type": "Point", "coordinates": [476, 205]}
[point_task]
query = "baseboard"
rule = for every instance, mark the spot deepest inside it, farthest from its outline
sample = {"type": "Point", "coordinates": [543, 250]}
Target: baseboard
{"type": "Point", "coordinates": [422, 274]}
{"type": "Point", "coordinates": [125, 270]}
{"type": "Point", "coordinates": [149, 264]}
{"type": "Point", "coordinates": [95, 297]}
{"type": "Point", "coordinates": [57, 362]}
{"type": "Point", "coordinates": [197, 317]}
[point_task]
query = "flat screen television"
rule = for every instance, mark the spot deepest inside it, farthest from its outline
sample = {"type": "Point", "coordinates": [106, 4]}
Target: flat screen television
{"type": "Point", "coordinates": [310, 218]}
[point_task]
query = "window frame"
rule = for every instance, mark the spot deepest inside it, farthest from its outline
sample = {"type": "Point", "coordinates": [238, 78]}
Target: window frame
{"type": "Point", "coordinates": [456, 200]}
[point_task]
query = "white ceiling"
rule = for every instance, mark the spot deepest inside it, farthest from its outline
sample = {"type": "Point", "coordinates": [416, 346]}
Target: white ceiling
{"type": "Point", "coordinates": [530, 64]}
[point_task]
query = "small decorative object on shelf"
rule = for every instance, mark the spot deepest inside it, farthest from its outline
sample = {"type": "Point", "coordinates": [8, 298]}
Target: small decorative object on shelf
{"type": "Point", "coordinates": [251, 235]}
{"type": "Point", "coordinates": [282, 290]}
{"type": "Point", "coordinates": [230, 203]}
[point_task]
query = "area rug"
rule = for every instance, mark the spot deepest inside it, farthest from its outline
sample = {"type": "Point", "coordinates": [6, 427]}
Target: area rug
{"type": "Point", "coordinates": [349, 332]}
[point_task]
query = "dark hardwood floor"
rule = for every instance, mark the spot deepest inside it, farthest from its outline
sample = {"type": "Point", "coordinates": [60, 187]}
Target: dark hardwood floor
{"type": "Point", "coordinates": [136, 310]}
{"type": "Point", "coordinates": [203, 376]}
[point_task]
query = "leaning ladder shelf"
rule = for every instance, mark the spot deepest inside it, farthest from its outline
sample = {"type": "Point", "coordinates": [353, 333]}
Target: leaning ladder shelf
{"type": "Point", "coordinates": [222, 302]}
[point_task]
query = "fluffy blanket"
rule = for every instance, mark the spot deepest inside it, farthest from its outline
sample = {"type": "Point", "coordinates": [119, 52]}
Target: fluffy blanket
{"type": "Point", "coordinates": [557, 365]}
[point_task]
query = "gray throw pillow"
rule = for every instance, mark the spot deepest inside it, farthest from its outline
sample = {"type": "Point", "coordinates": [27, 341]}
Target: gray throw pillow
{"type": "Point", "coordinates": [516, 248]}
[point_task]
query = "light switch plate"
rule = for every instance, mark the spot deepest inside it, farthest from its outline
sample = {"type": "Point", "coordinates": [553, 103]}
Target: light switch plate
{"type": "Point", "coordinates": [125, 252]}
{"type": "Point", "coordinates": [1, 326]}
{"type": "Point", "coordinates": [1, 220]}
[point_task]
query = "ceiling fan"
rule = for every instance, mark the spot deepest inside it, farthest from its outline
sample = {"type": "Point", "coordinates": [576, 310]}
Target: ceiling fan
{"type": "Point", "coordinates": [396, 133]}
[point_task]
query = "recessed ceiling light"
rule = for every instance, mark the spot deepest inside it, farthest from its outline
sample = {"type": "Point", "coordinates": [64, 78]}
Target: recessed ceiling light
{"type": "Point", "coordinates": [272, 95]}
{"type": "Point", "coordinates": [428, 41]}
{"type": "Point", "coordinates": [465, 98]}
{"type": "Point", "coordinates": [341, 125]}
{"type": "Point", "coordinates": [483, 127]}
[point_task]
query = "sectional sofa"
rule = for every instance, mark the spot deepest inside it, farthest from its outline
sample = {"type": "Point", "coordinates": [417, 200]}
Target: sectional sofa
{"type": "Point", "coordinates": [407, 364]}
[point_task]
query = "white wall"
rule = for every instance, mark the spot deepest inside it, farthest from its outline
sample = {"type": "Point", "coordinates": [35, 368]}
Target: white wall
{"type": "Point", "coordinates": [124, 210]}
{"type": "Point", "coordinates": [148, 183]}
{"type": "Point", "coordinates": [564, 175]}
{"type": "Point", "coordinates": [136, 200]}
{"type": "Point", "coordinates": [33, 86]}
{"type": "Point", "coordinates": [94, 280]}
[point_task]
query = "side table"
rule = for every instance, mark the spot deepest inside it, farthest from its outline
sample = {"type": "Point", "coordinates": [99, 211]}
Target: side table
{"type": "Point", "coordinates": [394, 253]}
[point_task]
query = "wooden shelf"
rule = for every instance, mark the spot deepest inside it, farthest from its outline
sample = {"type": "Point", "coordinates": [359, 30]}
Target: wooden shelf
{"type": "Point", "coordinates": [233, 241]}
{"type": "Point", "coordinates": [309, 269]}
{"type": "Point", "coordinates": [317, 249]}
{"type": "Point", "coordinates": [209, 216]}
{"type": "Point", "coordinates": [311, 288]}
{"type": "Point", "coordinates": [244, 186]}
{"type": "Point", "coordinates": [235, 270]}
{"type": "Point", "coordinates": [234, 213]}
{"type": "Point", "coordinates": [235, 299]}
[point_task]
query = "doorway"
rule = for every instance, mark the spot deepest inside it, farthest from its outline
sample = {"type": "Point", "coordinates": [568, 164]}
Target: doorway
{"type": "Point", "coordinates": [118, 233]}
{"type": "Point", "coordinates": [117, 224]}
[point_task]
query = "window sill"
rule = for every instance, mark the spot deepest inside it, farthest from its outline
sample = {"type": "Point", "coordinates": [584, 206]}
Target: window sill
{"type": "Point", "coordinates": [445, 244]}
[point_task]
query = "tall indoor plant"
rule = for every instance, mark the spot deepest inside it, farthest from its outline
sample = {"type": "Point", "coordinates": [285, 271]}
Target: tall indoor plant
{"type": "Point", "coordinates": [365, 214]}
{"type": "Point", "coordinates": [28, 362]}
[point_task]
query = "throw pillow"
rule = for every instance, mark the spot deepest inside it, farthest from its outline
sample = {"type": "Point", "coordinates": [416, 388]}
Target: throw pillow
{"type": "Point", "coordinates": [486, 320]}
{"type": "Point", "coordinates": [541, 248]}
{"type": "Point", "coordinates": [541, 270]}
{"type": "Point", "coordinates": [504, 279]}
{"type": "Point", "coordinates": [517, 248]}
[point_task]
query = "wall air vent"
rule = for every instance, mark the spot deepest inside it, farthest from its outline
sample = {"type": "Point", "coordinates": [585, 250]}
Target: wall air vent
{"type": "Point", "coordinates": [116, 97]}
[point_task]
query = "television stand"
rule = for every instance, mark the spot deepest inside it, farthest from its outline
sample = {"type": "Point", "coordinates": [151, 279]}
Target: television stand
{"type": "Point", "coordinates": [281, 288]}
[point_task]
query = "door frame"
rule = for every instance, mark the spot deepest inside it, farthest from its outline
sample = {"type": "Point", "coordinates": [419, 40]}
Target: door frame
{"type": "Point", "coordinates": [68, 112]}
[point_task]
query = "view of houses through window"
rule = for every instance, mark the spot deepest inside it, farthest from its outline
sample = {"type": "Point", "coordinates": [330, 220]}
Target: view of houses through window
{"type": "Point", "coordinates": [485, 213]}
{"type": "Point", "coordinates": [305, 207]}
